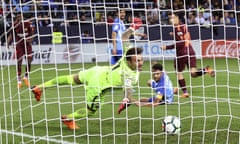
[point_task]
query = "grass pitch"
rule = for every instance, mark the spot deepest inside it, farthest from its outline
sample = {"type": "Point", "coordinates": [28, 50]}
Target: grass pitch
{"type": "Point", "coordinates": [210, 115]}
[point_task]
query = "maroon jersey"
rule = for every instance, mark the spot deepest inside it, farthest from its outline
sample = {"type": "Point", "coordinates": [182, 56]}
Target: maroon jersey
{"type": "Point", "coordinates": [183, 38]}
{"type": "Point", "coordinates": [22, 33]}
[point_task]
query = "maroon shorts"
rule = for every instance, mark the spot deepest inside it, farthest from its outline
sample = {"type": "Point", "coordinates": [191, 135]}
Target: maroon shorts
{"type": "Point", "coordinates": [23, 51]}
{"type": "Point", "coordinates": [181, 62]}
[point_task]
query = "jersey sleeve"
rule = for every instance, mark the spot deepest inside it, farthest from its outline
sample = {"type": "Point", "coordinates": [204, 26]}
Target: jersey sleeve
{"type": "Point", "coordinates": [168, 86]}
{"type": "Point", "coordinates": [115, 27]}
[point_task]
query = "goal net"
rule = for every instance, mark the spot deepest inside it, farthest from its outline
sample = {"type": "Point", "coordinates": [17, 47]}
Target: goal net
{"type": "Point", "coordinates": [74, 35]}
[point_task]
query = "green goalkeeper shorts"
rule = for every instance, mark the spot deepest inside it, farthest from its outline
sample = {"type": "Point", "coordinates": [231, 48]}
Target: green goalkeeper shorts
{"type": "Point", "coordinates": [95, 82]}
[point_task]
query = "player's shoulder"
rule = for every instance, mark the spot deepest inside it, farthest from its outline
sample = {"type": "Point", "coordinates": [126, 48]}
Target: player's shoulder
{"type": "Point", "coordinates": [116, 25]}
{"type": "Point", "coordinates": [165, 75]}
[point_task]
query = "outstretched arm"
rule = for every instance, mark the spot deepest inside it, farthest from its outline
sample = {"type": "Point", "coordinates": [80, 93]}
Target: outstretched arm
{"type": "Point", "coordinates": [144, 102]}
{"type": "Point", "coordinates": [114, 42]}
{"type": "Point", "coordinates": [127, 100]}
{"type": "Point", "coordinates": [128, 93]}
{"type": "Point", "coordinates": [136, 24]}
{"type": "Point", "coordinates": [127, 34]}
{"type": "Point", "coordinates": [147, 104]}
{"type": "Point", "coordinates": [9, 40]}
{"type": "Point", "coordinates": [176, 45]}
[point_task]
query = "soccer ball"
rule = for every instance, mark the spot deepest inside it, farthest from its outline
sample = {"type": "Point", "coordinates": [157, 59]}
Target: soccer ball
{"type": "Point", "coordinates": [171, 125]}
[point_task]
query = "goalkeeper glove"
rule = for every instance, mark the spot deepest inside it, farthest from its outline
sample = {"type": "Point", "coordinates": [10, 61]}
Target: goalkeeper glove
{"type": "Point", "coordinates": [136, 23]}
{"type": "Point", "coordinates": [125, 103]}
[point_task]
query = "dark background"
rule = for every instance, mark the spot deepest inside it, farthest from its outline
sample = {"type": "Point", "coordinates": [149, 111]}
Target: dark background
{"type": "Point", "coordinates": [102, 33]}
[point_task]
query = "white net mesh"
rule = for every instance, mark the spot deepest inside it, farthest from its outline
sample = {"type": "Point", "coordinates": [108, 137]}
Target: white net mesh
{"type": "Point", "coordinates": [70, 36]}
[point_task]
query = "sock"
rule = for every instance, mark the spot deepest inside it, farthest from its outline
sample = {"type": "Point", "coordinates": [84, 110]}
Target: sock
{"type": "Point", "coordinates": [19, 78]}
{"type": "Point", "coordinates": [61, 80]}
{"type": "Point", "coordinates": [28, 67]}
{"type": "Point", "coordinates": [80, 113]}
{"type": "Point", "coordinates": [19, 67]}
{"type": "Point", "coordinates": [201, 72]}
{"type": "Point", "coordinates": [182, 84]}
{"type": "Point", "coordinates": [26, 75]}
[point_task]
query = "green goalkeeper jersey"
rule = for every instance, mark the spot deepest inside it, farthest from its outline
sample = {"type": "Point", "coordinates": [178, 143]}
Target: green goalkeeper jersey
{"type": "Point", "coordinates": [120, 74]}
{"type": "Point", "coordinates": [103, 77]}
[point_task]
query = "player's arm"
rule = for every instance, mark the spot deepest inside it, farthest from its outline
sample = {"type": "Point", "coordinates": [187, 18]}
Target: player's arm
{"type": "Point", "coordinates": [114, 42]}
{"type": "Point", "coordinates": [9, 40]}
{"type": "Point", "coordinates": [176, 45]}
{"type": "Point", "coordinates": [137, 23]}
{"type": "Point", "coordinates": [127, 34]}
{"type": "Point", "coordinates": [127, 99]}
{"type": "Point", "coordinates": [141, 35]}
{"type": "Point", "coordinates": [127, 92]}
{"type": "Point", "coordinates": [144, 102]}
{"type": "Point", "coordinates": [148, 104]}
{"type": "Point", "coordinates": [149, 83]}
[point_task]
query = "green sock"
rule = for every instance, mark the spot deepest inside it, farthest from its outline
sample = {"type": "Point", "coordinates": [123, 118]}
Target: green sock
{"type": "Point", "coordinates": [61, 80]}
{"type": "Point", "coordinates": [80, 113]}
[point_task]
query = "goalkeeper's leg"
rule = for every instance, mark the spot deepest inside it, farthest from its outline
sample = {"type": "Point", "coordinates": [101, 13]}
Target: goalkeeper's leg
{"type": "Point", "coordinates": [61, 80]}
{"type": "Point", "coordinates": [91, 110]}
{"type": "Point", "coordinates": [68, 120]}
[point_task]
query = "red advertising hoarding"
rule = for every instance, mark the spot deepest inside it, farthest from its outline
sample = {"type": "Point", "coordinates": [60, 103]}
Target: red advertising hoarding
{"type": "Point", "coordinates": [221, 48]}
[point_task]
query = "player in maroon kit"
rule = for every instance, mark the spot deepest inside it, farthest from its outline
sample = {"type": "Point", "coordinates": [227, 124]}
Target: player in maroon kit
{"type": "Point", "coordinates": [21, 35]}
{"type": "Point", "coordinates": [185, 55]}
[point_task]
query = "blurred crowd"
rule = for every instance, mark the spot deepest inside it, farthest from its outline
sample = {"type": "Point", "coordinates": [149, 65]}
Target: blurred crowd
{"type": "Point", "coordinates": [73, 12]}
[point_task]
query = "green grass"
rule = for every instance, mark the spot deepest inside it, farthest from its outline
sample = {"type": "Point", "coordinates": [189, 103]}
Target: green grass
{"type": "Point", "coordinates": [210, 115]}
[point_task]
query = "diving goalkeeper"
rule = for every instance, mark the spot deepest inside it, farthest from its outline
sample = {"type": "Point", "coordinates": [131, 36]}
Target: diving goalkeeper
{"type": "Point", "coordinates": [98, 79]}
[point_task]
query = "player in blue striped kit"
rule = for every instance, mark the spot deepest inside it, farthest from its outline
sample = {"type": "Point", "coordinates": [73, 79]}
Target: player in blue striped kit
{"type": "Point", "coordinates": [163, 87]}
{"type": "Point", "coordinates": [118, 29]}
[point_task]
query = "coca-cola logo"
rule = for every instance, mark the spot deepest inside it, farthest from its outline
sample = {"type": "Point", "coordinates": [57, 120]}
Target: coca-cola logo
{"type": "Point", "coordinates": [222, 49]}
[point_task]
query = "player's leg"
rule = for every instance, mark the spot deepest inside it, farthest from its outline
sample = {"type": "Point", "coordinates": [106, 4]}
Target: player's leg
{"type": "Point", "coordinates": [192, 63]}
{"type": "Point", "coordinates": [80, 78]}
{"type": "Point", "coordinates": [19, 55]}
{"type": "Point", "coordinates": [92, 107]}
{"type": "Point", "coordinates": [199, 72]}
{"type": "Point", "coordinates": [94, 103]}
{"type": "Point", "coordinates": [210, 71]}
{"type": "Point", "coordinates": [28, 66]}
{"type": "Point", "coordinates": [60, 80]}
{"type": "Point", "coordinates": [69, 120]}
{"type": "Point", "coordinates": [179, 64]}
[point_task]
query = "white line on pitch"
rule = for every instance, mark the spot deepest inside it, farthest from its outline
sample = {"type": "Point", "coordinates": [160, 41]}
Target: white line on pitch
{"type": "Point", "coordinates": [35, 137]}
